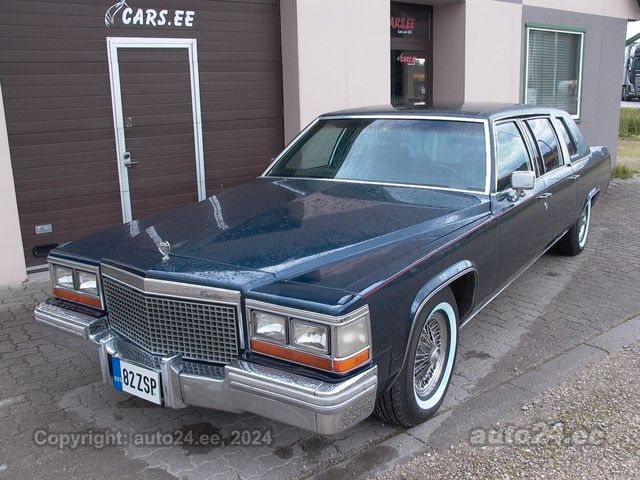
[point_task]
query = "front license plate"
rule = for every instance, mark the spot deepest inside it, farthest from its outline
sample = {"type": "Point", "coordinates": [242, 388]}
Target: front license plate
{"type": "Point", "coordinates": [139, 381]}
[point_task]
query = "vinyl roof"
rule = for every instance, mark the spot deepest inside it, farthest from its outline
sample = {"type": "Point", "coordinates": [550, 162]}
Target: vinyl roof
{"type": "Point", "coordinates": [489, 111]}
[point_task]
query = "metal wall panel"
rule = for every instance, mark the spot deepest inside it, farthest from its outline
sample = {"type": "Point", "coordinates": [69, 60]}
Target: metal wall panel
{"type": "Point", "coordinates": [55, 77]}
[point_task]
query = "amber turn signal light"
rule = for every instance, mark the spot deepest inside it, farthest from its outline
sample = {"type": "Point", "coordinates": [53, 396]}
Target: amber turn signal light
{"type": "Point", "coordinates": [349, 363]}
{"type": "Point", "coordinates": [77, 297]}
{"type": "Point", "coordinates": [323, 363]}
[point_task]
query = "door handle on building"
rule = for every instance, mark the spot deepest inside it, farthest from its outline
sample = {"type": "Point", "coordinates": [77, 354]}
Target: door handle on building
{"type": "Point", "coordinates": [127, 160]}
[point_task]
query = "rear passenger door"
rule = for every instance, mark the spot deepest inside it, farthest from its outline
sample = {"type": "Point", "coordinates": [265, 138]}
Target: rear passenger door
{"type": "Point", "coordinates": [570, 151]}
{"type": "Point", "coordinates": [561, 192]}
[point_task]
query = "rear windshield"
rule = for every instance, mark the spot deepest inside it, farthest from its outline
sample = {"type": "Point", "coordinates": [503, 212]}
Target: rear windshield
{"type": "Point", "coordinates": [434, 153]}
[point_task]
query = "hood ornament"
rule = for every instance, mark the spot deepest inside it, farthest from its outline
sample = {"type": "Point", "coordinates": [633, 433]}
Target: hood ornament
{"type": "Point", "coordinates": [165, 249]}
{"type": "Point", "coordinates": [163, 246]}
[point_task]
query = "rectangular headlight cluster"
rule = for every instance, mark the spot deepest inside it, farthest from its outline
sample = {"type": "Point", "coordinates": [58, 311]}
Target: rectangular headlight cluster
{"type": "Point", "coordinates": [76, 283]}
{"type": "Point", "coordinates": [324, 342]}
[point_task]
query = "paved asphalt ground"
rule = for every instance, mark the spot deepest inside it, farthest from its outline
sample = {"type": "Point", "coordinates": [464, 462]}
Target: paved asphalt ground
{"type": "Point", "coordinates": [561, 315]}
{"type": "Point", "coordinates": [584, 428]}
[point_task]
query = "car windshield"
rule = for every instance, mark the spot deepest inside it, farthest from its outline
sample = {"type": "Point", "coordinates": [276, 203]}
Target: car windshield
{"type": "Point", "coordinates": [434, 153]}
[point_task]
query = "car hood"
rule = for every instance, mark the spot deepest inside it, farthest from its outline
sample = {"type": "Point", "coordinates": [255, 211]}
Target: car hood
{"type": "Point", "coordinates": [292, 229]}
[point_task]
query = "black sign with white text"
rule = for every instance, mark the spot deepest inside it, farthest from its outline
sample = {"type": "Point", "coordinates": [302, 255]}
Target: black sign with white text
{"type": "Point", "coordinates": [410, 21]}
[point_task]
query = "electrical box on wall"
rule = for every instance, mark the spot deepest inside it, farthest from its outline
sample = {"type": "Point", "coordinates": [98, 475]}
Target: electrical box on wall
{"type": "Point", "coordinates": [42, 229]}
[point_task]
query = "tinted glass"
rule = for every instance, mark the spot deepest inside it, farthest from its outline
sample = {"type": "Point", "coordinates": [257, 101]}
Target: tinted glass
{"type": "Point", "coordinates": [408, 77]}
{"type": "Point", "coordinates": [566, 137]}
{"type": "Point", "coordinates": [512, 154]}
{"type": "Point", "coordinates": [438, 153]}
{"type": "Point", "coordinates": [316, 152]}
{"type": "Point", "coordinates": [547, 143]}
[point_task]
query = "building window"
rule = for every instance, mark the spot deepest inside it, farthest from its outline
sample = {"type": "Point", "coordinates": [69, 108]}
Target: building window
{"type": "Point", "coordinates": [553, 68]}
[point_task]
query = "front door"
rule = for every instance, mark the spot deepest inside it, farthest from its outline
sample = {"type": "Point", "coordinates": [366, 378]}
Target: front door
{"type": "Point", "coordinates": [155, 97]}
{"type": "Point", "coordinates": [409, 77]}
{"type": "Point", "coordinates": [523, 221]}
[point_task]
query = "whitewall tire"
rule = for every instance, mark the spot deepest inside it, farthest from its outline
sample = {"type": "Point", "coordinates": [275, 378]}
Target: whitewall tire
{"type": "Point", "coordinates": [574, 241]}
{"type": "Point", "coordinates": [422, 383]}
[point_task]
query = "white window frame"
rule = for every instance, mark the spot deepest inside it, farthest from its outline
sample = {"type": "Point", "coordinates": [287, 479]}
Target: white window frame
{"type": "Point", "coordinates": [569, 30]}
{"type": "Point", "coordinates": [113, 44]}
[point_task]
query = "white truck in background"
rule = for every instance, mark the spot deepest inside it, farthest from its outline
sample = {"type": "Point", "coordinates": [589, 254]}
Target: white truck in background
{"type": "Point", "coordinates": [631, 75]}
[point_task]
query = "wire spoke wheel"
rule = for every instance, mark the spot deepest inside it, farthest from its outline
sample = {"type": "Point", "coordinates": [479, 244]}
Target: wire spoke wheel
{"type": "Point", "coordinates": [431, 355]}
{"type": "Point", "coordinates": [583, 224]}
{"type": "Point", "coordinates": [575, 239]}
{"type": "Point", "coordinates": [423, 380]}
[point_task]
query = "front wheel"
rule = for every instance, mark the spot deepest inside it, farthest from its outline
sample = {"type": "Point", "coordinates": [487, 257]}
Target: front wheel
{"type": "Point", "coordinates": [420, 387]}
{"type": "Point", "coordinates": [574, 241]}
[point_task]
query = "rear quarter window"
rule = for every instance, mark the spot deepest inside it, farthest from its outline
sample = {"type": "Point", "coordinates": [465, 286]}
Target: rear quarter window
{"type": "Point", "coordinates": [566, 137]}
{"type": "Point", "coordinates": [581, 146]}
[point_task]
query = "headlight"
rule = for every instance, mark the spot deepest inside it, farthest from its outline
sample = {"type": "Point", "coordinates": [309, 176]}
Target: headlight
{"type": "Point", "coordinates": [337, 344]}
{"type": "Point", "coordinates": [76, 282]}
{"type": "Point", "coordinates": [269, 326]}
{"type": "Point", "coordinates": [352, 337]}
{"type": "Point", "coordinates": [87, 282]}
{"type": "Point", "coordinates": [63, 277]}
{"type": "Point", "coordinates": [306, 335]}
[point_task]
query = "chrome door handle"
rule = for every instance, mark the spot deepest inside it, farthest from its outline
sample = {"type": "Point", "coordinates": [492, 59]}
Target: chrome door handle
{"type": "Point", "coordinates": [574, 177]}
{"type": "Point", "coordinates": [544, 195]}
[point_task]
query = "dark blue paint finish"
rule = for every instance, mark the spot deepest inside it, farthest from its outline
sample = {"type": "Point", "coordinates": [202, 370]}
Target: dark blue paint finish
{"type": "Point", "coordinates": [296, 232]}
{"type": "Point", "coordinates": [331, 247]}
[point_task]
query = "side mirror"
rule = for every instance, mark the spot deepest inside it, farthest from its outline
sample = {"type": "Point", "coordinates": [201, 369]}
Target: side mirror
{"type": "Point", "coordinates": [521, 182]}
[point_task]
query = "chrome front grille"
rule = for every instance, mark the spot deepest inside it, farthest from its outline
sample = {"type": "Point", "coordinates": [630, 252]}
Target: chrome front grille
{"type": "Point", "coordinates": [163, 325]}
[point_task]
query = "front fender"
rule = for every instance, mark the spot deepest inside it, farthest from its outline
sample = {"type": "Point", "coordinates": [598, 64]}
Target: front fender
{"type": "Point", "coordinates": [431, 288]}
{"type": "Point", "coordinates": [438, 282]}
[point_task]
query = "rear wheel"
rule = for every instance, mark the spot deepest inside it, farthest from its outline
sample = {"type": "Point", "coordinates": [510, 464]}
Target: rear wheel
{"type": "Point", "coordinates": [420, 387]}
{"type": "Point", "coordinates": [574, 241]}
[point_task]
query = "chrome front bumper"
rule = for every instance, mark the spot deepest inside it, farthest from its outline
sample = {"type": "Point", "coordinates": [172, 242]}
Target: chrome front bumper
{"type": "Point", "coordinates": [241, 386]}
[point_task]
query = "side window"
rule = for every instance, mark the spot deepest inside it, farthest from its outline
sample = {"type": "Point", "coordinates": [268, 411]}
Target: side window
{"type": "Point", "coordinates": [542, 131]}
{"type": "Point", "coordinates": [318, 151]}
{"type": "Point", "coordinates": [512, 154]}
{"type": "Point", "coordinates": [566, 137]}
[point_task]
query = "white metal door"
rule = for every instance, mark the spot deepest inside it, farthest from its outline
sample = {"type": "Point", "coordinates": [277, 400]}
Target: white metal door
{"type": "Point", "coordinates": [125, 160]}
